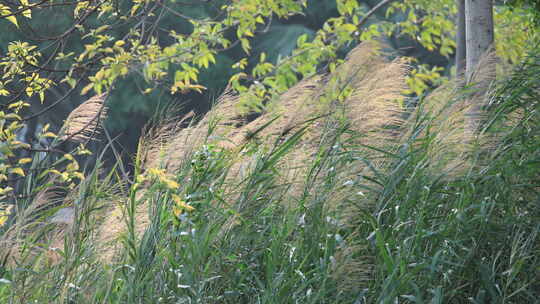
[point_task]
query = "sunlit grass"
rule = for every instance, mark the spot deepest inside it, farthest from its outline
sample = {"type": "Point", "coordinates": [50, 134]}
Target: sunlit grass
{"type": "Point", "coordinates": [364, 225]}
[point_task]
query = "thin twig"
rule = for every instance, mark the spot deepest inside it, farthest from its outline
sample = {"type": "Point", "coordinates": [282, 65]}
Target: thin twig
{"type": "Point", "coordinates": [372, 11]}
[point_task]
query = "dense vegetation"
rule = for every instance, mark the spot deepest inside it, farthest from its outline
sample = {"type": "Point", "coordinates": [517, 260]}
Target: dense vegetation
{"type": "Point", "coordinates": [332, 169]}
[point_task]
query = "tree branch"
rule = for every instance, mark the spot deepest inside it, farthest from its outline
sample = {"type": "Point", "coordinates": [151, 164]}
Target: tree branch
{"type": "Point", "coordinates": [373, 11]}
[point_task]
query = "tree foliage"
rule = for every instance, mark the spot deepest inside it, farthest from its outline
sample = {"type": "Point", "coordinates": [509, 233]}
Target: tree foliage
{"type": "Point", "coordinates": [171, 49]}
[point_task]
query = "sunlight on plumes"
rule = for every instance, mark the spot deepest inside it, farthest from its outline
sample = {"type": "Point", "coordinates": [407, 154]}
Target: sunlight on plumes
{"type": "Point", "coordinates": [84, 122]}
{"type": "Point", "coordinates": [447, 110]}
{"type": "Point", "coordinates": [174, 142]}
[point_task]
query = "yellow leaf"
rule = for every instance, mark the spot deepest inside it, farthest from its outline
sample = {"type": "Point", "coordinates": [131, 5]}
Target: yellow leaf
{"type": "Point", "coordinates": [74, 166]}
{"type": "Point", "coordinates": [170, 184]}
{"type": "Point", "coordinates": [134, 9]}
{"type": "Point", "coordinates": [18, 104]}
{"type": "Point", "coordinates": [119, 43]}
{"type": "Point", "coordinates": [78, 175]}
{"type": "Point", "coordinates": [49, 134]}
{"type": "Point", "coordinates": [13, 20]}
{"type": "Point", "coordinates": [155, 172]}
{"type": "Point", "coordinates": [177, 211]}
{"type": "Point", "coordinates": [4, 213]}
{"type": "Point", "coordinates": [81, 150]}
{"type": "Point", "coordinates": [84, 152]}
{"type": "Point", "coordinates": [87, 88]}
{"type": "Point", "coordinates": [81, 5]}
{"type": "Point", "coordinates": [180, 205]}
{"type": "Point", "coordinates": [64, 176]}
{"type": "Point", "coordinates": [3, 218]}
{"type": "Point", "coordinates": [18, 144]}
{"type": "Point", "coordinates": [5, 190]}
{"type": "Point", "coordinates": [29, 91]}
{"type": "Point", "coordinates": [27, 12]}
{"type": "Point", "coordinates": [18, 171]}
{"type": "Point", "coordinates": [12, 116]}
{"type": "Point", "coordinates": [177, 199]}
{"type": "Point", "coordinates": [25, 160]}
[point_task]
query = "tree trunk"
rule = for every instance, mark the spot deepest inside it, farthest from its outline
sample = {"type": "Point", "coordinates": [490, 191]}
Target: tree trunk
{"type": "Point", "coordinates": [461, 52]}
{"type": "Point", "coordinates": [479, 37]}
{"type": "Point", "coordinates": [479, 31]}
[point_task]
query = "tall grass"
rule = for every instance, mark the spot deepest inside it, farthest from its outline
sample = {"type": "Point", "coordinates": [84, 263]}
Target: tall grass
{"type": "Point", "coordinates": [471, 237]}
{"type": "Point", "coordinates": [368, 226]}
